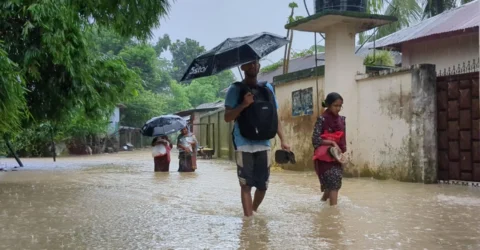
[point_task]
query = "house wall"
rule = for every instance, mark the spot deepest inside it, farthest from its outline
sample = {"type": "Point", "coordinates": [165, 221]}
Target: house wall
{"type": "Point", "coordinates": [298, 129]}
{"type": "Point", "coordinates": [195, 119]}
{"type": "Point", "coordinates": [397, 135]}
{"type": "Point", "coordinates": [392, 135]}
{"type": "Point", "coordinates": [385, 116]}
{"type": "Point", "coordinates": [217, 134]}
{"type": "Point", "coordinates": [443, 52]}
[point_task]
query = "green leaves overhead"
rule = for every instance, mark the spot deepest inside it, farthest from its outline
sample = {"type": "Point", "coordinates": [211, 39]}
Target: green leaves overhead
{"type": "Point", "coordinates": [52, 42]}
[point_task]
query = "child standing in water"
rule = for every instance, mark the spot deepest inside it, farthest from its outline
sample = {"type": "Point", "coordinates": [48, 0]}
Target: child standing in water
{"type": "Point", "coordinates": [330, 173]}
{"type": "Point", "coordinates": [162, 162]}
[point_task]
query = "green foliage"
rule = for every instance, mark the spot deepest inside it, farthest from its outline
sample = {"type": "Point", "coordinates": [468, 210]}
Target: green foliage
{"type": "Point", "coordinates": [12, 94]}
{"type": "Point", "coordinates": [54, 75]}
{"type": "Point", "coordinates": [162, 44]}
{"type": "Point", "coordinates": [435, 7]}
{"type": "Point", "coordinates": [183, 53]}
{"type": "Point", "coordinates": [142, 59]}
{"type": "Point", "coordinates": [178, 99]}
{"type": "Point", "coordinates": [380, 58]}
{"type": "Point", "coordinates": [65, 64]}
{"type": "Point", "coordinates": [203, 91]}
{"type": "Point", "coordinates": [108, 42]}
{"type": "Point", "coordinates": [406, 11]}
{"type": "Point", "coordinates": [127, 17]}
{"type": "Point", "coordinates": [272, 67]}
{"type": "Point", "coordinates": [51, 41]}
{"type": "Point", "coordinates": [143, 107]}
{"type": "Point", "coordinates": [308, 52]}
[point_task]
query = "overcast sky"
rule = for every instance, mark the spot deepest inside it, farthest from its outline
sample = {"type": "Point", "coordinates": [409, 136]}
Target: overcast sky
{"type": "Point", "coordinates": [212, 21]}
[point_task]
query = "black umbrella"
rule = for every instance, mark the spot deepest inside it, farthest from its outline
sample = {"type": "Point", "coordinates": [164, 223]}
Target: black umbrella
{"type": "Point", "coordinates": [163, 125]}
{"type": "Point", "coordinates": [233, 52]}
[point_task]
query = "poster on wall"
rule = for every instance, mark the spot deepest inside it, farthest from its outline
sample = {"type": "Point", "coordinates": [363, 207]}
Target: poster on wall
{"type": "Point", "coordinates": [307, 99]}
{"type": "Point", "coordinates": [297, 104]}
{"type": "Point", "coordinates": [302, 102]}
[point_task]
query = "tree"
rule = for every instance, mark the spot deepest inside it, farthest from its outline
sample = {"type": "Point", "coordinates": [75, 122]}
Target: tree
{"type": "Point", "coordinates": [380, 58]}
{"type": "Point", "coordinates": [12, 99]}
{"type": "Point", "coordinates": [177, 100]}
{"type": "Point", "coordinates": [109, 42]}
{"type": "Point", "coordinates": [142, 59]}
{"type": "Point", "coordinates": [142, 108]}
{"type": "Point", "coordinates": [183, 54]}
{"type": "Point", "coordinates": [51, 42]}
{"type": "Point", "coordinates": [406, 11]}
{"type": "Point", "coordinates": [435, 7]}
{"type": "Point", "coordinates": [162, 44]}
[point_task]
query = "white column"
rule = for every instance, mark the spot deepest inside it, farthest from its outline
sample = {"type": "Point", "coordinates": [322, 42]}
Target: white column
{"type": "Point", "coordinates": [341, 66]}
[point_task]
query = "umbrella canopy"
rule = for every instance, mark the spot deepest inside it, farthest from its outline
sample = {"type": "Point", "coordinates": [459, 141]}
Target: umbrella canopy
{"type": "Point", "coordinates": [163, 125]}
{"type": "Point", "coordinates": [233, 52]}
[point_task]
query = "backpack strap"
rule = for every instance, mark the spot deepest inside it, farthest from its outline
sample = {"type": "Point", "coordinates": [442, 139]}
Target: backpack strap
{"type": "Point", "coordinates": [242, 90]}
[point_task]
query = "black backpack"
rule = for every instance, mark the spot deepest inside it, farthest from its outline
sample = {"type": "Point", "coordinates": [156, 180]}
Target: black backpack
{"type": "Point", "coordinates": [260, 120]}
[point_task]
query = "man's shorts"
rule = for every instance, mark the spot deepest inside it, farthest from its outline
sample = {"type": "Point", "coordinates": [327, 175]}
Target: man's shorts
{"type": "Point", "coordinates": [253, 169]}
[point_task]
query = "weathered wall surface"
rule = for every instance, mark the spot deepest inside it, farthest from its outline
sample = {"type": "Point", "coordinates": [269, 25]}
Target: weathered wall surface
{"type": "Point", "coordinates": [217, 134]}
{"type": "Point", "coordinates": [298, 130]}
{"type": "Point", "coordinates": [397, 134]}
{"type": "Point", "coordinates": [391, 124]}
{"type": "Point", "coordinates": [384, 120]}
{"type": "Point", "coordinates": [444, 53]}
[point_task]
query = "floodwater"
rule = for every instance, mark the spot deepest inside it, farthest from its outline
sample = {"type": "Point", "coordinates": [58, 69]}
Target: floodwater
{"type": "Point", "coordinates": [117, 202]}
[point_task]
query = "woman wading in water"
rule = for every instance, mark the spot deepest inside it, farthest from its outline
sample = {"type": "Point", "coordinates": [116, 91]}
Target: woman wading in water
{"type": "Point", "coordinates": [187, 146]}
{"type": "Point", "coordinates": [330, 123]}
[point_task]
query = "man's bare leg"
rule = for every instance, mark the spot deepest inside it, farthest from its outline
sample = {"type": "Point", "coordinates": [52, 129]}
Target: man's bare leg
{"type": "Point", "coordinates": [258, 198]}
{"type": "Point", "coordinates": [333, 197]}
{"type": "Point", "coordinates": [246, 196]}
{"type": "Point", "coordinates": [326, 195]}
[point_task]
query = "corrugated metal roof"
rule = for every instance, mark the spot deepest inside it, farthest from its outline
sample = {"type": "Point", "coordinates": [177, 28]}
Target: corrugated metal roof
{"type": "Point", "coordinates": [211, 105]}
{"type": "Point", "coordinates": [460, 18]}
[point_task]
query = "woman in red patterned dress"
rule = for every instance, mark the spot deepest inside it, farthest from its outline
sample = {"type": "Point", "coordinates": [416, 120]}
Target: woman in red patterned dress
{"type": "Point", "coordinates": [330, 173]}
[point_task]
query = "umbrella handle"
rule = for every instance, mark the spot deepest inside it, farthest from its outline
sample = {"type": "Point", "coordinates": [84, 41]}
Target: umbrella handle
{"type": "Point", "coordinates": [240, 72]}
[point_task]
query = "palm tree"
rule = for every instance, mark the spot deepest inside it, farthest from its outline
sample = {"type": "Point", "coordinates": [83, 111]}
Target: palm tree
{"type": "Point", "coordinates": [435, 7]}
{"type": "Point", "coordinates": [406, 11]}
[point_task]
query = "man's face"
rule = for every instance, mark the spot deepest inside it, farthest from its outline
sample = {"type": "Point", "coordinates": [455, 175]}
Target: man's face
{"type": "Point", "coordinates": [251, 69]}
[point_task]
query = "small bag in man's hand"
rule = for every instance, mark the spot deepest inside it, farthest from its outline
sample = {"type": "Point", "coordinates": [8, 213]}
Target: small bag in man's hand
{"type": "Point", "coordinates": [284, 157]}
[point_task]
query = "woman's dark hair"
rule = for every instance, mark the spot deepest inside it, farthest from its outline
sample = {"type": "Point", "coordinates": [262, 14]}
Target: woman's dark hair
{"type": "Point", "coordinates": [331, 98]}
{"type": "Point", "coordinates": [154, 141]}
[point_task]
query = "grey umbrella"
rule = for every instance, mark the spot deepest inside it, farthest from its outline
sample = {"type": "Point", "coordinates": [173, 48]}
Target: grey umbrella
{"type": "Point", "coordinates": [163, 125]}
{"type": "Point", "coordinates": [233, 52]}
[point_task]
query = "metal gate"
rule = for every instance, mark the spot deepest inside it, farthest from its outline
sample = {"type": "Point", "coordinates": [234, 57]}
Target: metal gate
{"type": "Point", "coordinates": [458, 125]}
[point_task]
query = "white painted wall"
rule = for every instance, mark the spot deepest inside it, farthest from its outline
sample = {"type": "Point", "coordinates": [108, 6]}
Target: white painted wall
{"type": "Point", "coordinates": [443, 52]}
{"type": "Point", "coordinates": [384, 111]}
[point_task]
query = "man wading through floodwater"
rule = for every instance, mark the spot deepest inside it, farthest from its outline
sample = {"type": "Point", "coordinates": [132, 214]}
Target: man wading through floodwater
{"type": "Point", "coordinates": [253, 107]}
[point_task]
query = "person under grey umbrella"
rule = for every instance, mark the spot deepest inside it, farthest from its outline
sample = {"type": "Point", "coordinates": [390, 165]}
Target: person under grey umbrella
{"type": "Point", "coordinates": [252, 106]}
{"type": "Point", "coordinates": [160, 127]}
{"type": "Point", "coordinates": [233, 52]}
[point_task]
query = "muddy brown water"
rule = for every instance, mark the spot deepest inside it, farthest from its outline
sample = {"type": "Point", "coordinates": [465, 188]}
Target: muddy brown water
{"type": "Point", "coordinates": [117, 202]}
